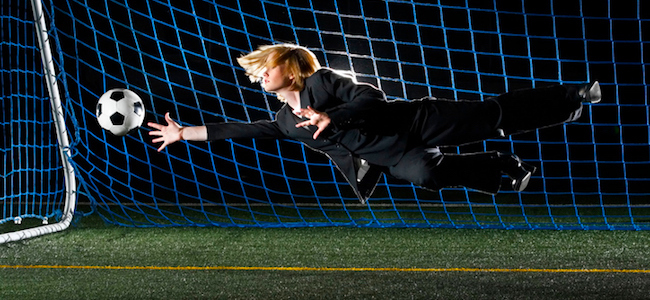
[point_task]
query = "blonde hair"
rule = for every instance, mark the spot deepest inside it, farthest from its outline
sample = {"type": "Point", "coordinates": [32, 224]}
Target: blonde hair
{"type": "Point", "coordinates": [298, 61]}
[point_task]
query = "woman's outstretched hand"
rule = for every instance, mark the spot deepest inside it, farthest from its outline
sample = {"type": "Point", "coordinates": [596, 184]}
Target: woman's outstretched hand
{"type": "Point", "coordinates": [316, 118]}
{"type": "Point", "coordinates": [167, 134]}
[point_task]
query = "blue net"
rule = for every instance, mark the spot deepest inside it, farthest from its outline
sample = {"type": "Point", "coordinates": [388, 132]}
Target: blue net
{"type": "Point", "coordinates": [180, 58]}
{"type": "Point", "coordinates": [31, 175]}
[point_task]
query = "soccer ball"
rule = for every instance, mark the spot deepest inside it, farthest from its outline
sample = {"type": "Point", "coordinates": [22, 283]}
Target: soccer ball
{"type": "Point", "coordinates": [120, 111]}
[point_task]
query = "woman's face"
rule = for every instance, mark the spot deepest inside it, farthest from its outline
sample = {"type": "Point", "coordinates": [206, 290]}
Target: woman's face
{"type": "Point", "coordinates": [275, 80]}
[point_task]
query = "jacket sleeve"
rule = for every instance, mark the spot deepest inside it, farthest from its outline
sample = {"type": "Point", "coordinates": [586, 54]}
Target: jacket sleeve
{"type": "Point", "coordinates": [259, 129]}
{"type": "Point", "coordinates": [359, 100]}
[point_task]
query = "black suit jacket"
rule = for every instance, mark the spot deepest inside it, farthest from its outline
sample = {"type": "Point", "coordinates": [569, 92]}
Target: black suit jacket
{"type": "Point", "coordinates": [363, 126]}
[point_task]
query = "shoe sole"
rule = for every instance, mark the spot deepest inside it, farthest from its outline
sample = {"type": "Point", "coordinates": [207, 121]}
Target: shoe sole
{"type": "Point", "coordinates": [528, 167]}
{"type": "Point", "coordinates": [521, 184]}
{"type": "Point", "coordinates": [598, 95]}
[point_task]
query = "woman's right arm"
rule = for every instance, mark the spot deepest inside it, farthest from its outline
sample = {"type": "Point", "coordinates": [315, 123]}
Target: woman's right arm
{"type": "Point", "coordinates": [173, 132]}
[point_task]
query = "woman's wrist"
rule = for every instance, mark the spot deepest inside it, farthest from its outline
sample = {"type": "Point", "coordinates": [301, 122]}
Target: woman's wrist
{"type": "Point", "coordinates": [180, 133]}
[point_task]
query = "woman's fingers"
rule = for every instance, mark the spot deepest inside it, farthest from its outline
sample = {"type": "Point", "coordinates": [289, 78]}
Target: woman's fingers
{"type": "Point", "coordinates": [163, 132]}
{"type": "Point", "coordinates": [303, 124]}
{"type": "Point", "coordinates": [155, 125]}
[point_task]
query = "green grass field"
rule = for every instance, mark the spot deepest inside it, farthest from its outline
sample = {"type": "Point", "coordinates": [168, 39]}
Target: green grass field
{"type": "Point", "coordinates": [322, 263]}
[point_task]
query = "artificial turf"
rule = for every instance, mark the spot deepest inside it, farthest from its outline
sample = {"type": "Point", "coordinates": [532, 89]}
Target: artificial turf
{"type": "Point", "coordinates": [458, 263]}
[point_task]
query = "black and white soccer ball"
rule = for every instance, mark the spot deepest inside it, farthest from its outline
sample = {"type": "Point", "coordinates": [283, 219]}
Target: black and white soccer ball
{"type": "Point", "coordinates": [120, 111]}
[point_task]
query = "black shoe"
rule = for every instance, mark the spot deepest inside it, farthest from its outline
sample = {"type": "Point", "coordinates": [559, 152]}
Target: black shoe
{"type": "Point", "coordinates": [519, 171]}
{"type": "Point", "coordinates": [591, 92]}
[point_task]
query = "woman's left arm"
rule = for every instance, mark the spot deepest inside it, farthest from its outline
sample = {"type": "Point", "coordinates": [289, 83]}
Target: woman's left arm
{"type": "Point", "coordinates": [358, 103]}
{"type": "Point", "coordinates": [361, 101]}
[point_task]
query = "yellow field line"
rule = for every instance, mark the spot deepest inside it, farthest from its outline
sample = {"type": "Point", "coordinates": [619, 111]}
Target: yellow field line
{"type": "Point", "coordinates": [190, 268]}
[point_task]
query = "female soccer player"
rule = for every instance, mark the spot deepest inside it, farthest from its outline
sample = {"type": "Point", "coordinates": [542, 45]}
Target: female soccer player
{"type": "Point", "coordinates": [365, 135]}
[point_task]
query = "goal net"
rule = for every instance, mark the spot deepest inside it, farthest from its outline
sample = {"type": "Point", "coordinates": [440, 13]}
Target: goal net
{"type": "Point", "coordinates": [38, 178]}
{"type": "Point", "coordinates": [179, 57]}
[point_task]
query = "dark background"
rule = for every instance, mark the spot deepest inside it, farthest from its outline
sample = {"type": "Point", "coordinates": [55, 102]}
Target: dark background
{"type": "Point", "coordinates": [181, 59]}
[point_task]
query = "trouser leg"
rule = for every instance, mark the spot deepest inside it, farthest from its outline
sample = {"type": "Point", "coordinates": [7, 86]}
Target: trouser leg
{"type": "Point", "coordinates": [444, 122]}
{"type": "Point", "coordinates": [478, 171]}
{"type": "Point", "coordinates": [529, 109]}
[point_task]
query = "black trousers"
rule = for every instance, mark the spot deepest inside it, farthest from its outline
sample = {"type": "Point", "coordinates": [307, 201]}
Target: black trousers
{"type": "Point", "coordinates": [451, 123]}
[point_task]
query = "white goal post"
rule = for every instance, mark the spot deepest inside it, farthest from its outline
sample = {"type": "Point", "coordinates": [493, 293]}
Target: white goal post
{"type": "Point", "coordinates": [62, 135]}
